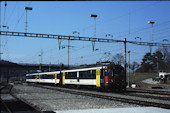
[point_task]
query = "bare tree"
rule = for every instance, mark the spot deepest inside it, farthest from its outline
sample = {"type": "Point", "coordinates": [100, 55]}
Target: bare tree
{"type": "Point", "coordinates": [134, 66]}
{"type": "Point", "coordinates": [166, 57]}
{"type": "Point", "coordinates": [118, 59]}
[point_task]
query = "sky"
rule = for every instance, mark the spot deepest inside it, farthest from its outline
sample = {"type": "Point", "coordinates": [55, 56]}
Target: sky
{"type": "Point", "coordinates": [121, 19]}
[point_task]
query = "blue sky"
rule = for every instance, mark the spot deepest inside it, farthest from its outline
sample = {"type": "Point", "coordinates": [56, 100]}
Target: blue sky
{"type": "Point", "coordinates": [119, 18]}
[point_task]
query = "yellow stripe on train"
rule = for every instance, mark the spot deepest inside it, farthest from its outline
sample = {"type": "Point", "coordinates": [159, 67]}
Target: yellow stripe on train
{"type": "Point", "coordinates": [55, 78]}
{"type": "Point", "coordinates": [97, 77]}
{"type": "Point", "coordinates": [63, 79]}
{"type": "Point", "coordinates": [39, 78]}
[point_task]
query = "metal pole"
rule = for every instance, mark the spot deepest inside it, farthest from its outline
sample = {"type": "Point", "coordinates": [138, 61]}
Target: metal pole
{"type": "Point", "coordinates": [129, 69]}
{"type": "Point", "coordinates": [68, 53]}
{"type": "Point", "coordinates": [125, 57]}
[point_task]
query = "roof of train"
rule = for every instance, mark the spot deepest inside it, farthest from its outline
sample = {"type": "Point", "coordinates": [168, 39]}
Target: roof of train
{"type": "Point", "coordinates": [83, 69]}
{"type": "Point", "coordinates": [69, 70]}
{"type": "Point", "coordinates": [54, 72]}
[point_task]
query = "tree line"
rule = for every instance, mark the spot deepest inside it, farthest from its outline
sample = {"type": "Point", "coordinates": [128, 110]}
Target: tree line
{"type": "Point", "coordinates": [151, 62]}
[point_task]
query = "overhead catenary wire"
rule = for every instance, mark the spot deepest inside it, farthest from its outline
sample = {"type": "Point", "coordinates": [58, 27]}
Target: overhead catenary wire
{"type": "Point", "coordinates": [12, 12]}
{"type": "Point", "coordinates": [21, 17]}
{"type": "Point", "coordinates": [125, 14]}
{"type": "Point", "coordinates": [4, 12]}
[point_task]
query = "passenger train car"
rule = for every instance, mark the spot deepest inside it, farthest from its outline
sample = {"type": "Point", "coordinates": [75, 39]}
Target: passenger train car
{"type": "Point", "coordinates": [104, 77]}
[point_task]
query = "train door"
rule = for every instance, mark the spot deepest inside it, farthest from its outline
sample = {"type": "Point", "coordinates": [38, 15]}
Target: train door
{"type": "Point", "coordinates": [102, 77]}
{"type": "Point", "coordinates": [39, 78]}
{"type": "Point", "coordinates": [35, 78]}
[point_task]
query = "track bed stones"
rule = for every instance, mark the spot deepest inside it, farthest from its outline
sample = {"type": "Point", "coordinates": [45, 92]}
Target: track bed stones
{"type": "Point", "coordinates": [50, 100]}
{"type": "Point", "coordinates": [12, 104]}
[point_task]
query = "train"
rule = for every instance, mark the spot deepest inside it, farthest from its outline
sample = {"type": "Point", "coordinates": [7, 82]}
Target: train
{"type": "Point", "coordinates": [110, 77]}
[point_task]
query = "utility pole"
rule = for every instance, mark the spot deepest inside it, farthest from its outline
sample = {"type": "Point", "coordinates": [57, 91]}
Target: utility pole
{"type": "Point", "coordinates": [129, 69]}
{"type": "Point", "coordinates": [125, 57]}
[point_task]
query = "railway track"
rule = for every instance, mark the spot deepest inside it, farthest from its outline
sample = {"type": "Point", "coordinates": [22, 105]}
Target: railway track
{"type": "Point", "coordinates": [11, 104]}
{"type": "Point", "coordinates": [138, 101]}
{"type": "Point", "coordinates": [158, 92]}
{"type": "Point", "coordinates": [147, 95]}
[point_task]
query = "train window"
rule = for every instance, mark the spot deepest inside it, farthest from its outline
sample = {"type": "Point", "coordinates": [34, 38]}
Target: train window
{"type": "Point", "coordinates": [89, 72]}
{"type": "Point", "coordinates": [30, 77]}
{"type": "Point", "coordinates": [72, 75]}
{"type": "Point", "coordinates": [47, 76]}
{"type": "Point", "coordinates": [66, 75]}
{"type": "Point", "coordinates": [83, 74]}
{"type": "Point", "coordinates": [58, 76]}
{"type": "Point", "coordinates": [93, 74]}
{"type": "Point", "coordinates": [34, 76]}
{"type": "Point", "coordinates": [42, 76]}
{"type": "Point", "coordinates": [103, 72]}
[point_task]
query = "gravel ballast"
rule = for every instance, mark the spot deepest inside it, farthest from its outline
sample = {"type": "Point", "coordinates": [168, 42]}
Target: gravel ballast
{"type": "Point", "coordinates": [52, 100]}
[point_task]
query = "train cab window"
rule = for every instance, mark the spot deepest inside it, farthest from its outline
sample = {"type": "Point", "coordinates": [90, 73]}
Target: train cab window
{"type": "Point", "coordinates": [122, 73]}
{"type": "Point", "coordinates": [118, 72]}
{"type": "Point", "coordinates": [109, 72]}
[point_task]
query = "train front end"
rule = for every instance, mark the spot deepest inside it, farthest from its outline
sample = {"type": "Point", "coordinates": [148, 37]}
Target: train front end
{"type": "Point", "coordinates": [114, 78]}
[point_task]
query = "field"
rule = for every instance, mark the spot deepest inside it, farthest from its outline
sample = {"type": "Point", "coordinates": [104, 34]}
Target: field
{"type": "Point", "coordinates": [138, 77]}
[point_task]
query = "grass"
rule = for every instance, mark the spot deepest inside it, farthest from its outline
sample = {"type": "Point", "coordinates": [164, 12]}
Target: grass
{"type": "Point", "coordinates": [137, 77]}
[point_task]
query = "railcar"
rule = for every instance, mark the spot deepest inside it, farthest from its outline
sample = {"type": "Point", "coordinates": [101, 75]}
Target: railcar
{"type": "Point", "coordinates": [46, 77]}
{"type": "Point", "coordinates": [104, 77]}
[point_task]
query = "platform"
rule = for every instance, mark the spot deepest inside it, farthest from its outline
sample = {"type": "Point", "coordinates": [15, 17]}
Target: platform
{"type": "Point", "coordinates": [120, 110]}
